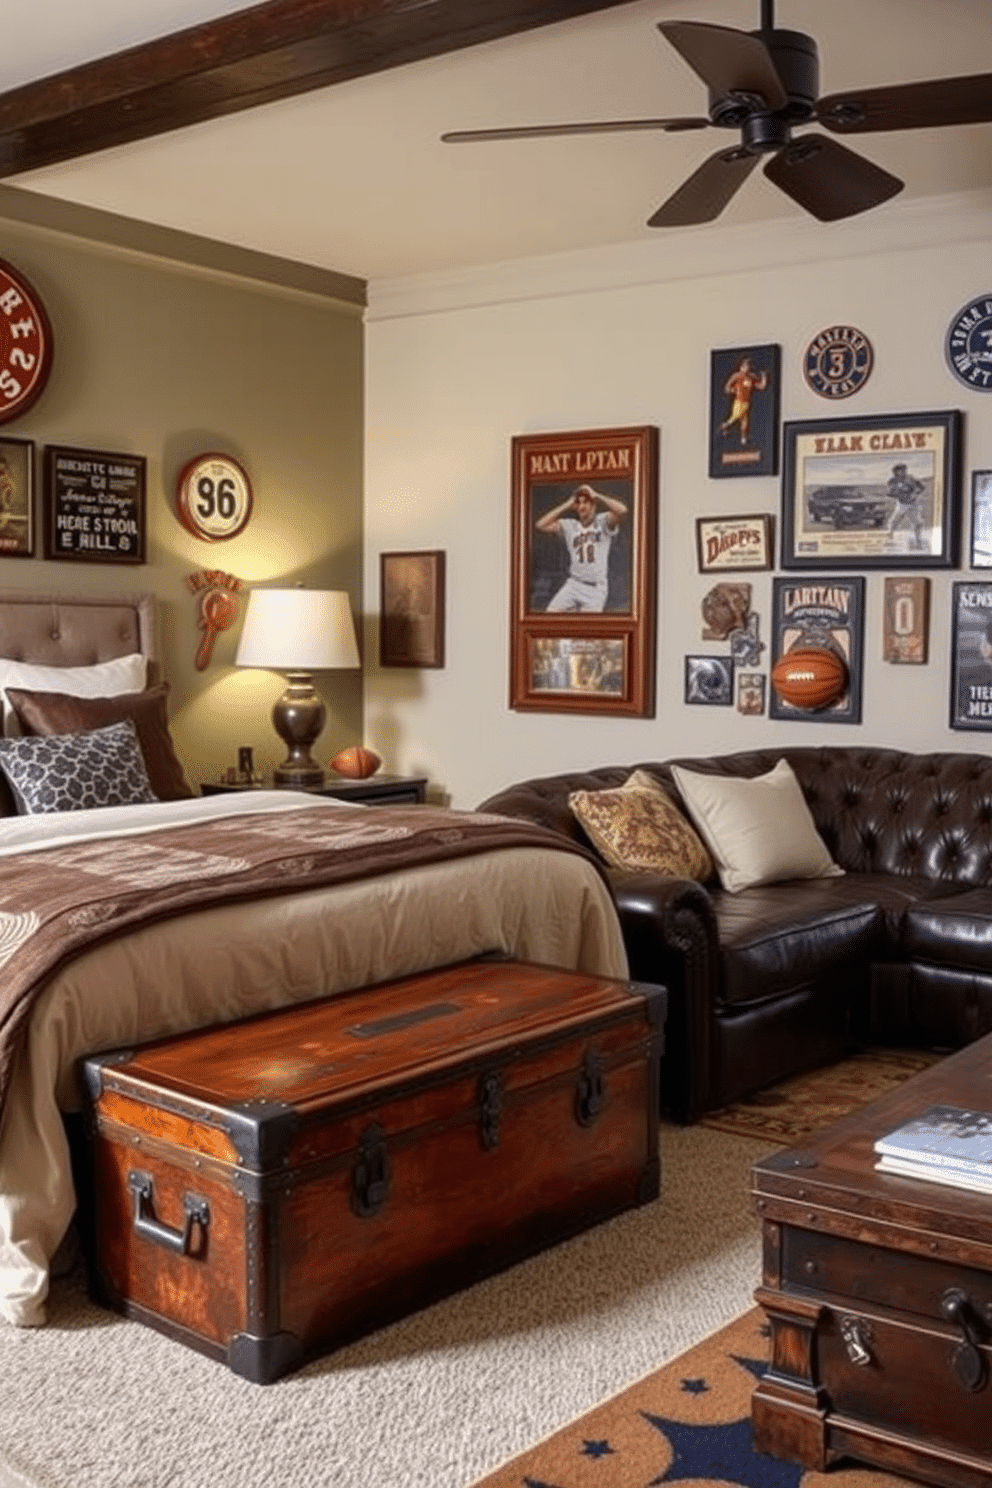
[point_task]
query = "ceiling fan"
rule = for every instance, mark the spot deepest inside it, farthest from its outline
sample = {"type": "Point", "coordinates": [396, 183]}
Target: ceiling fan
{"type": "Point", "coordinates": [764, 83]}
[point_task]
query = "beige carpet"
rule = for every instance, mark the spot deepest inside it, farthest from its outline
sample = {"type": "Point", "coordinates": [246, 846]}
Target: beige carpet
{"type": "Point", "coordinates": [437, 1401]}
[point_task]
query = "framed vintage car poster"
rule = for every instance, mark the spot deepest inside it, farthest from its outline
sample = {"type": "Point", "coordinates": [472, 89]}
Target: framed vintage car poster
{"type": "Point", "coordinates": [584, 523]}
{"type": "Point", "coordinates": [876, 492]}
{"type": "Point", "coordinates": [826, 614]}
{"type": "Point", "coordinates": [971, 655]}
{"type": "Point", "coordinates": [744, 410]}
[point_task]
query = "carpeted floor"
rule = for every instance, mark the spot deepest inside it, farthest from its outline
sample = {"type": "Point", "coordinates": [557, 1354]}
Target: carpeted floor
{"type": "Point", "coordinates": [436, 1401]}
{"type": "Point", "coordinates": [785, 1114]}
{"type": "Point", "coordinates": [688, 1420]}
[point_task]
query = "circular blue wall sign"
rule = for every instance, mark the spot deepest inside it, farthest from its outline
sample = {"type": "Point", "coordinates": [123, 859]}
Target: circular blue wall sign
{"type": "Point", "coordinates": [968, 347]}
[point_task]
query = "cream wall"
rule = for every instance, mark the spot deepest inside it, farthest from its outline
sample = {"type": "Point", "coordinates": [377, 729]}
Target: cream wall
{"type": "Point", "coordinates": [457, 365]}
{"type": "Point", "coordinates": [169, 346]}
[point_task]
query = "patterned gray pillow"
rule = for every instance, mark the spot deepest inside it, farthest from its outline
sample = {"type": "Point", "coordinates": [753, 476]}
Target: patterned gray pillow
{"type": "Point", "coordinates": [74, 772]}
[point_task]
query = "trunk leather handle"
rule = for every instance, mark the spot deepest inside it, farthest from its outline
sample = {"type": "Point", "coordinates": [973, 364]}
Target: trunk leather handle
{"type": "Point", "coordinates": [144, 1223]}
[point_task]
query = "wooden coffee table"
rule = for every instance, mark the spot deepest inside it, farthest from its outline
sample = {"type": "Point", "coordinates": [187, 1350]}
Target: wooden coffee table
{"type": "Point", "coordinates": [878, 1292]}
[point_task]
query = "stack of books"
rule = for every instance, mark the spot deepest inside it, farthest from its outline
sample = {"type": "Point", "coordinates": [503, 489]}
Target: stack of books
{"type": "Point", "coordinates": [944, 1144]}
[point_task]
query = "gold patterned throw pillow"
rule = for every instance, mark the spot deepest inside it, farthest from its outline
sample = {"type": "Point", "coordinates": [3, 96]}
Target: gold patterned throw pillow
{"type": "Point", "coordinates": [638, 826]}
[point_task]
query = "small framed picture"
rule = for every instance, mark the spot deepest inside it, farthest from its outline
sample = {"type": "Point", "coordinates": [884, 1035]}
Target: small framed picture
{"type": "Point", "coordinates": [577, 669]}
{"type": "Point", "coordinates": [744, 408]}
{"type": "Point", "coordinates": [981, 519]}
{"type": "Point", "coordinates": [734, 544]}
{"type": "Point", "coordinates": [751, 693]}
{"type": "Point", "coordinates": [16, 498]}
{"type": "Point", "coordinates": [907, 620]}
{"type": "Point", "coordinates": [411, 617]}
{"type": "Point", "coordinates": [709, 680]}
{"type": "Point", "coordinates": [971, 656]}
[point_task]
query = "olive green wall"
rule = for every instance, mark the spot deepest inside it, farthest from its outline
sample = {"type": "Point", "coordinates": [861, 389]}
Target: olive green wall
{"type": "Point", "coordinates": [169, 346]}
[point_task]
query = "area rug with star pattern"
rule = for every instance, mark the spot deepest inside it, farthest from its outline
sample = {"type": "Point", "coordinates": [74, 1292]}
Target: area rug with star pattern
{"type": "Point", "coordinates": [688, 1423]}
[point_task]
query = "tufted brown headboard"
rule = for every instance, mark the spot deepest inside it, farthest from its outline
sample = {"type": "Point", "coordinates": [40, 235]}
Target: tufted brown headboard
{"type": "Point", "coordinates": [77, 630]}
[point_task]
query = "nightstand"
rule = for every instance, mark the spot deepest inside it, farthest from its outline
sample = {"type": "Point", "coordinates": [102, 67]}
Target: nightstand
{"type": "Point", "coordinates": [375, 790]}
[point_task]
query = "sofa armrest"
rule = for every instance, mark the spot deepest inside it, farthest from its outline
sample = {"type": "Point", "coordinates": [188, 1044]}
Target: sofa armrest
{"type": "Point", "coordinates": [670, 932]}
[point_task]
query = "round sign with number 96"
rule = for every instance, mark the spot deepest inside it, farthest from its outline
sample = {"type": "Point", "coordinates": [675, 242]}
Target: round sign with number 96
{"type": "Point", "coordinates": [213, 497]}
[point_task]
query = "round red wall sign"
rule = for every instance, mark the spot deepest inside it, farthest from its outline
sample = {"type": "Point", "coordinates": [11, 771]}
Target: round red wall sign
{"type": "Point", "coordinates": [25, 344]}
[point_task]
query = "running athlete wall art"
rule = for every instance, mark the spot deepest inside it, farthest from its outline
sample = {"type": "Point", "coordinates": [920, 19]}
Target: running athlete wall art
{"type": "Point", "coordinates": [744, 410]}
{"type": "Point", "coordinates": [583, 600]}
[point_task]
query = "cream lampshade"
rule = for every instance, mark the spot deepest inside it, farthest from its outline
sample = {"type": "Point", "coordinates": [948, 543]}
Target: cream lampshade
{"type": "Point", "coordinates": [298, 631]}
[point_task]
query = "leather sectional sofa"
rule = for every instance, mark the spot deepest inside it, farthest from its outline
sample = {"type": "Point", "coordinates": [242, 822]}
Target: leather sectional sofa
{"type": "Point", "coordinates": [782, 976]}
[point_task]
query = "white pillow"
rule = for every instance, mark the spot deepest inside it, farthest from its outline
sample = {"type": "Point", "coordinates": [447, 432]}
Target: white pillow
{"type": "Point", "coordinates": [102, 679]}
{"type": "Point", "coordinates": [758, 831]}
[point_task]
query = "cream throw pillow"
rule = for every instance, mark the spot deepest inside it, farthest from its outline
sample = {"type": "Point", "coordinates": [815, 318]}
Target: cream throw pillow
{"type": "Point", "coordinates": [759, 831]}
{"type": "Point", "coordinates": [638, 826]}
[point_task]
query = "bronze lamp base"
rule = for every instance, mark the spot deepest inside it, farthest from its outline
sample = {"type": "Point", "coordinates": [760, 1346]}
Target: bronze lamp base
{"type": "Point", "coordinates": [298, 717]}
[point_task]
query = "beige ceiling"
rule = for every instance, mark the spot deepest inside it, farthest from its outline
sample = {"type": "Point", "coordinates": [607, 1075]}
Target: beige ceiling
{"type": "Point", "coordinates": [355, 179]}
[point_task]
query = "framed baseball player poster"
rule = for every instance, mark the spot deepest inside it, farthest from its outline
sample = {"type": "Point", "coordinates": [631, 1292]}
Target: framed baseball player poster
{"type": "Point", "coordinates": [584, 523]}
{"type": "Point", "coordinates": [876, 492]}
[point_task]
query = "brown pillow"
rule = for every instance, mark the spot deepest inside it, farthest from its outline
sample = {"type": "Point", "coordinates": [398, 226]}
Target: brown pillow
{"type": "Point", "coordinates": [638, 826]}
{"type": "Point", "coordinates": [57, 713]}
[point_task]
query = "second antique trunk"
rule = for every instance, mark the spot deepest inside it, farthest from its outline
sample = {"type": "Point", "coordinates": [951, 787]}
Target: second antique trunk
{"type": "Point", "coordinates": [877, 1289]}
{"type": "Point", "coordinates": [268, 1190]}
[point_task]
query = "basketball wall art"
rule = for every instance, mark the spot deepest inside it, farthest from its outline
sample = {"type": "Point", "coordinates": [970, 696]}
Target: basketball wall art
{"type": "Point", "coordinates": [821, 615]}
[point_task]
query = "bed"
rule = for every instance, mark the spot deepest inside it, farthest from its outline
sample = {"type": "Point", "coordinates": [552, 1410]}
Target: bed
{"type": "Point", "coordinates": [164, 911]}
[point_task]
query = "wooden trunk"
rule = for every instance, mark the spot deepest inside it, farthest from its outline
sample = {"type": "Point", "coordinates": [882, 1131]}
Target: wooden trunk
{"type": "Point", "coordinates": [878, 1292]}
{"type": "Point", "coordinates": [268, 1190]}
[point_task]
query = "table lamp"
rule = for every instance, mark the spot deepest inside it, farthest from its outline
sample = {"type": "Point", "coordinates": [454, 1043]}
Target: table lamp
{"type": "Point", "coordinates": [298, 631]}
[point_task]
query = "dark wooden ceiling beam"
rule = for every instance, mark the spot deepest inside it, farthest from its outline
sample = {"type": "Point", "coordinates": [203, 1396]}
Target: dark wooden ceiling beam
{"type": "Point", "coordinates": [254, 56]}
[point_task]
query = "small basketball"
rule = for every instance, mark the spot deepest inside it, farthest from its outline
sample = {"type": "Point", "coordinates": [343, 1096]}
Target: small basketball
{"type": "Point", "coordinates": [811, 677]}
{"type": "Point", "coordinates": [356, 762]}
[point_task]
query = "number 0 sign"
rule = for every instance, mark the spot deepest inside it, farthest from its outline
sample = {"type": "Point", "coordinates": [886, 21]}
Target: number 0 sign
{"type": "Point", "coordinates": [213, 497]}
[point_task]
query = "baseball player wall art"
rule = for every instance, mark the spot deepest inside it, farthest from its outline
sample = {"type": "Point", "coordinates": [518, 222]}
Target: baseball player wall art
{"type": "Point", "coordinates": [587, 522]}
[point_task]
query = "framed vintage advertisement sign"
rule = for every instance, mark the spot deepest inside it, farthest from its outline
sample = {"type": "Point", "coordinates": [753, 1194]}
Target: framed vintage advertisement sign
{"type": "Point", "coordinates": [733, 544]}
{"type": "Point", "coordinates": [876, 492]}
{"type": "Point", "coordinates": [584, 521]}
{"type": "Point", "coordinates": [971, 655]}
{"type": "Point", "coordinates": [94, 505]}
{"type": "Point", "coordinates": [744, 410]}
{"type": "Point", "coordinates": [16, 498]}
{"type": "Point", "coordinates": [824, 614]}
{"type": "Point", "coordinates": [411, 618]}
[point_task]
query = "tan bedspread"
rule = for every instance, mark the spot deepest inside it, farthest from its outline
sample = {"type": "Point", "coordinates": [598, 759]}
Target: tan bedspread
{"type": "Point", "coordinates": [181, 956]}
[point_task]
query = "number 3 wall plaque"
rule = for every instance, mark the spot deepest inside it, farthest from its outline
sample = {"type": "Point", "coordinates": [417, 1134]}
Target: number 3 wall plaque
{"type": "Point", "coordinates": [213, 497]}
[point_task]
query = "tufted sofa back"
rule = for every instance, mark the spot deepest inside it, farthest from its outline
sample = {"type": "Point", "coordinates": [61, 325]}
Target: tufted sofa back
{"type": "Point", "coordinates": [878, 810]}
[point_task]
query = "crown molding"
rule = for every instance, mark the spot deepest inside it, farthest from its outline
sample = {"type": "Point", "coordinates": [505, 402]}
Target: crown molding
{"type": "Point", "coordinates": [917, 223]}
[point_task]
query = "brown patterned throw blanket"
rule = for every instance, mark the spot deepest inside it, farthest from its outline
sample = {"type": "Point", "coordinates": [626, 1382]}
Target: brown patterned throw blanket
{"type": "Point", "coordinates": [58, 901]}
